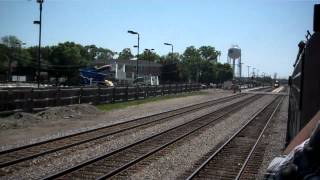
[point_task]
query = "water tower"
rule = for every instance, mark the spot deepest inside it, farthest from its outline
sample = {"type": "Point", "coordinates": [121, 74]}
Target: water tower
{"type": "Point", "coordinates": [234, 53]}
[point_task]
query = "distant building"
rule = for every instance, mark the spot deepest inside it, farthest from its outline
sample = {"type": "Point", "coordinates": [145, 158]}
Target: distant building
{"type": "Point", "coordinates": [124, 71]}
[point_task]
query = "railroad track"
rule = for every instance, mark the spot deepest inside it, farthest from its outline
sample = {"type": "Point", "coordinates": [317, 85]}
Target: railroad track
{"type": "Point", "coordinates": [241, 155]}
{"type": "Point", "coordinates": [117, 161]}
{"type": "Point", "coordinates": [31, 151]}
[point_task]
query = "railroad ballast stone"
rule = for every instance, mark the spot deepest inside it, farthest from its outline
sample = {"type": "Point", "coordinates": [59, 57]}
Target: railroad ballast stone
{"type": "Point", "coordinates": [48, 129]}
{"type": "Point", "coordinates": [175, 163]}
{"type": "Point", "coordinates": [276, 139]}
{"type": "Point", "coordinates": [25, 120]}
{"type": "Point", "coordinates": [42, 166]}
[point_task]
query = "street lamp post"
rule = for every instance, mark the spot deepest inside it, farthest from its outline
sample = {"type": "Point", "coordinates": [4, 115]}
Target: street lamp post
{"type": "Point", "coordinates": [137, 69]}
{"type": "Point", "coordinates": [39, 48]}
{"type": "Point", "coordinates": [149, 60]}
{"type": "Point", "coordinates": [11, 59]}
{"type": "Point", "coordinates": [263, 81]}
{"type": "Point", "coordinates": [248, 75]}
{"type": "Point", "coordinates": [240, 74]}
{"type": "Point", "coordinates": [20, 44]}
{"type": "Point", "coordinates": [10, 64]}
{"type": "Point", "coordinates": [12, 46]}
{"type": "Point", "coordinates": [169, 44]}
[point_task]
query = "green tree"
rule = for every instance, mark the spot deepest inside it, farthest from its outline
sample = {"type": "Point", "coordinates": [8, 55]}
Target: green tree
{"type": "Point", "coordinates": [125, 54]}
{"type": "Point", "coordinates": [66, 59]}
{"type": "Point", "coordinates": [69, 54]}
{"type": "Point", "coordinates": [170, 68]}
{"type": "Point", "coordinates": [4, 58]}
{"type": "Point", "coordinates": [208, 72]}
{"type": "Point", "coordinates": [209, 53]}
{"type": "Point", "coordinates": [93, 52]}
{"type": "Point", "coordinates": [190, 64]}
{"type": "Point", "coordinates": [11, 41]}
{"type": "Point", "coordinates": [149, 55]}
{"type": "Point", "coordinates": [170, 58]}
{"type": "Point", "coordinates": [14, 58]}
{"type": "Point", "coordinates": [200, 65]}
{"type": "Point", "coordinates": [224, 72]}
{"type": "Point", "coordinates": [24, 58]}
{"type": "Point", "coordinates": [45, 55]}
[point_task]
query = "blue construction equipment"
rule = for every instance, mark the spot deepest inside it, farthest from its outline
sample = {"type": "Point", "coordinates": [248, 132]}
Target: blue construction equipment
{"type": "Point", "coordinates": [96, 76]}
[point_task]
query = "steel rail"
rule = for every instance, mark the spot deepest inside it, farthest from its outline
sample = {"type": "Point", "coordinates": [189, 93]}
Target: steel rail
{"type": "Point", "coordinates": [235, 106]}
{"type": "Point", "coordinates": [196, 172]}
{"type": "Point", "coordinates": [258, 140]}
{"type": "Point", "coordinates": [125, 166]}
{"type": "Point", "coordinates": [199, 106]}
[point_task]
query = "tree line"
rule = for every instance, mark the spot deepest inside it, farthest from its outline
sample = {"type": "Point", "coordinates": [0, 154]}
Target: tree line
{"type": "Point", "coordinates": [65, 59]}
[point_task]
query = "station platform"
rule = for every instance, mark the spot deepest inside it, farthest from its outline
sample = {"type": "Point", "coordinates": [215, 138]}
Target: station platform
{"type": "Point", "coordinates": [266, 93]}
{"type": "Point", "coordinates": [276, 91]}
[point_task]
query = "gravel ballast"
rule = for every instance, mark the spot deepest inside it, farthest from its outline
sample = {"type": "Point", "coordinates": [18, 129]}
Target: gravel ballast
{"type": "Point", "coordinates": [67, 158]}
{"type": "Point", "coordinates": [40, 129]}
{"type": "Point", "coordinates": [178, 160]}
{"type": "Point", "coordinates": [276, 139]}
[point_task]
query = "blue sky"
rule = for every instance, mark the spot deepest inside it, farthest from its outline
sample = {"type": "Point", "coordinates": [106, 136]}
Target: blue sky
{"type": "Point", "coordinates": [267, 31]}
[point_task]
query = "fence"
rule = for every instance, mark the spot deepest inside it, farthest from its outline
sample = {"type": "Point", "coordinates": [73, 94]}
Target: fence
{"type": "Point", "coordinates": [30, 100]}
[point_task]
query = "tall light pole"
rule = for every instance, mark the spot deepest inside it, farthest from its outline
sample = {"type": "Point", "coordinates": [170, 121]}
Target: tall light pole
{"type": "Point", "coordinates": [248, 80]}
{"type": "Point", "coordinates": [149, 60]}
{"type": "Point", "coordinates": [149, 49]}
{"type": "Point", "coordinates": [39, 48]}
{"type": "Point", "coordinates": [12, 46]}
{"type": "Point", "coordinates": [253, 73]}
{"type": "Point", "coordinates": [133, 32]}
{"type": "Point", "coordinates": [240, 72]}
{"type": "Point", "coordinates": [263, 81]}
{"type": "Point", "coordinates": [19, 44]}
{"type": "Point", "coordinates": [169, 44]}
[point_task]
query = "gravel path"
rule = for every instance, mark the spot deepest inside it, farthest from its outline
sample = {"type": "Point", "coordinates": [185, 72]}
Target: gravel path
{"type": "Point", "coordinates": [58, 127]}
{"type": "Point", "coordinates": [173, 163]}
{"type": "Point", "coordinates": [65, 159]}
{"type": "Point", "coordinates": [276, 139]}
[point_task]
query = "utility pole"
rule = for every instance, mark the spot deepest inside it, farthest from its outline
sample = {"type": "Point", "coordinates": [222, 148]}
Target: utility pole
{"type": "Point", "coordinates": [253, 73]}
{"type": "Point", "coordinates": [39, 47]}
{"type": "Point", "coordinates": [240, 69]}
{"type": "Point", "coordinates": [169, 44]}
{"type": "Point", "coordinates": [10, 64]}
{"type": "Point", "coordinates": [150, 51]}
{"type": "Point", "coordinates": [249, 79]}
{"type": "Point", "coordinates": [240, 74]}
{"type": "Point", "coordinates": [133, 32]}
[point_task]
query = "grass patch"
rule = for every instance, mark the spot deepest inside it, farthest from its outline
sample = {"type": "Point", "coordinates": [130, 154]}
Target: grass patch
{"type": "Point", "coordinates": [120, 105]}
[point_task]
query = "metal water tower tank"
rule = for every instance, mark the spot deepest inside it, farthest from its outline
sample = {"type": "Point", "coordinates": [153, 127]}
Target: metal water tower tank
{"type": "Point", "coordinates": [234, 52]}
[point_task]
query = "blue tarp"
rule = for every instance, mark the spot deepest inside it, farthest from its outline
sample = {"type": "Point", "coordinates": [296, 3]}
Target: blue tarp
{"type": "Point", "coordinates": [91, 73]}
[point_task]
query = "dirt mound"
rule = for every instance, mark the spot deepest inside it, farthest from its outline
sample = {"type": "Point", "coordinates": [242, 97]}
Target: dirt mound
{"type": "Point", "coordinates": [17, 120]}
{"type": "Point", "coordinates": [67, 112]}
{"type": "Point", "coordinates": [21, 119]}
